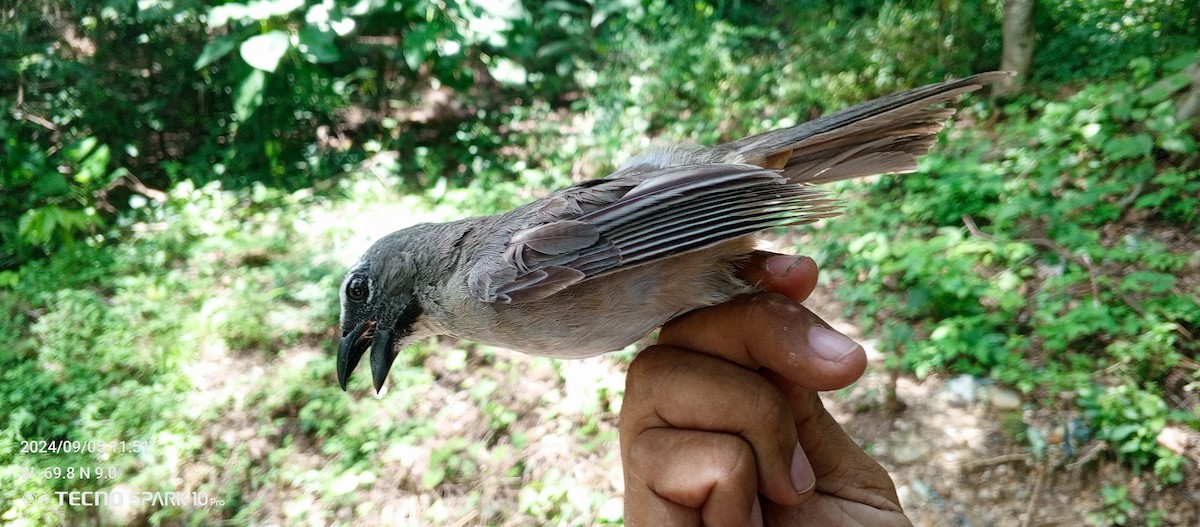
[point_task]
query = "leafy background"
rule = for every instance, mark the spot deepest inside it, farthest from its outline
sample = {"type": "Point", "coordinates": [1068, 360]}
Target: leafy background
{"type": "Point", "coordinates": [184, 183]}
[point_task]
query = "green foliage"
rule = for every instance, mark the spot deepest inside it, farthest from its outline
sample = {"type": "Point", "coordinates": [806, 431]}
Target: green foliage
{"type": "Point", "coordinates": [1095, 38]}
{"type": "Point", "coordinates": [1117, 507]}
{"type": "Point", "coordinates": [90, 359]}
{"type": "Point", "coordinates": [1046, 285]}
{"type": "Point", "coordinates": [250, 93]}
{"type": "Point", "coordinates": [1130, 419]}
{"type": "Point", "coordinates": [1120, 509]}
{"type": "Point", "coordinates": [100, 339]}
{"type": "Point", "coordinates": [730, 69]}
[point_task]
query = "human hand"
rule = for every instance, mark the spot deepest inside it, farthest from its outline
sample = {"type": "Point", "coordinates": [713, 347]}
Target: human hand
{"type": "Point", "coordinates": [721, 423]}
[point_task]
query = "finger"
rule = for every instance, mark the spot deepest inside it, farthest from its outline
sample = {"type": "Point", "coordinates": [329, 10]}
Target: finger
{"type": "Point", "coordinates": [690, 477]}
{"type": "Point", "coordinates": [843, 469]}
{"type": "Point", "coordinates": [671, 387]}
{"type": "Point", "coordinates": [792, 276]}
{"type": "Point", "coordinates": [767, 329]}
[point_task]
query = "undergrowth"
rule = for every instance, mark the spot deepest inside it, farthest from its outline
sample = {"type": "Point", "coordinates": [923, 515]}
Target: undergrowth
{"type": "Point", "coordinates": [1054, 252]}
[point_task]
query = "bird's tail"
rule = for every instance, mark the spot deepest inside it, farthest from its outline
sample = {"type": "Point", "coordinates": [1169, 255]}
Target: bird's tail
{"type": "Point", "coordinates": [882, 136]}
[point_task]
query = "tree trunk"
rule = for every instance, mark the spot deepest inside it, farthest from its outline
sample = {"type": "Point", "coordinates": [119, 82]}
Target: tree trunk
{"type": "Point", "coordinates": [1018, 44]}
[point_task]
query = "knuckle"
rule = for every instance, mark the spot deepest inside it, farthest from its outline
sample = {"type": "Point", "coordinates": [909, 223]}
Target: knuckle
{"type": "Point", "coordinates": [645, 367]}
{"type": "Point", "coordinates": [687, 467]}
{"type": "Point", "coordinates": [730, 458]}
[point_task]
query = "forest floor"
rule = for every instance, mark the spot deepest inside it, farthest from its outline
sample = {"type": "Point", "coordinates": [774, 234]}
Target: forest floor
{"type": "Point", "coordinates": [950, 448]}
{"type": "Point", "coordinates": [513, 440]}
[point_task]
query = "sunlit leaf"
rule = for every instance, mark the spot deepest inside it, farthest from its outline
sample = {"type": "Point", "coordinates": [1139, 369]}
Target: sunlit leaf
{"type": "Point", "coordinates": [221, 15]}
{"type": "Point", "coordinates": [264, 9]}
{"type": "Point", "coordinates": [344, 484]}
{"type": "Point", "coordinates": [508, 72]}
{"type": "Point", "coordinates": [264, 51]}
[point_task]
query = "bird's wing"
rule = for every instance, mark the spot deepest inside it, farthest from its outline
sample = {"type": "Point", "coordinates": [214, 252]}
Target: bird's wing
{"type": "Point", "coordinates": [659, 213]}
{"type": "Point", "coordinates": [684, 199]}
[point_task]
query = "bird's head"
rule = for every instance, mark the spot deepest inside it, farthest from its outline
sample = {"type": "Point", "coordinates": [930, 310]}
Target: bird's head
{"type": "Point", "coordinates": [380, 309]}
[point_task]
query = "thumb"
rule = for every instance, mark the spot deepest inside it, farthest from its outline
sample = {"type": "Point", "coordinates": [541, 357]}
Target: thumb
{"type": "Point", "coordinates": [792, 276]}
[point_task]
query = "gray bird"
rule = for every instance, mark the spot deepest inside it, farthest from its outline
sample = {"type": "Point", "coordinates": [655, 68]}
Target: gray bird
{"type": "Point", "coordinates": [596, 266]}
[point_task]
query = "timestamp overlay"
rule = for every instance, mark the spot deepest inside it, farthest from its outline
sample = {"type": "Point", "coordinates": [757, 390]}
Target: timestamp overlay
{"type": "Point", "coordinates": [98, 481]}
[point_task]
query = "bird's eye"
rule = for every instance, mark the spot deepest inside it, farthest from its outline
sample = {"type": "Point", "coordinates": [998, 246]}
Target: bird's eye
{"type": "Point", "coordinates": [357, 290]}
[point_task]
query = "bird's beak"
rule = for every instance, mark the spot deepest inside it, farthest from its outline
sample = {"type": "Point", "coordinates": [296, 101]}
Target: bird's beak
{"type": "Point", "coordinates": [381, 336]}
{"type": "Point", "coordinates": [383, 353]}
{"type": "Point", "coordinates": [352, 347]}
{"type": "Point", "coordinates": [351, 350]}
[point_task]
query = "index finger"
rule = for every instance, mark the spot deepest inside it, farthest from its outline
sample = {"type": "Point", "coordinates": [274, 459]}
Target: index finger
{"type": "Point", "coordinates": [771, 329]}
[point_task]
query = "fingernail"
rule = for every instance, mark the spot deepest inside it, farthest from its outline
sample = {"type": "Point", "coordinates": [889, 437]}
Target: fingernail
{"type": "Point", "coordinates": [783, 264]}
{"type": "Point", "coordinates": [756, 518]}
{"type": "Point", "coordinates": [830, 345]}
{"type": "Point", "coordinates": [803, 477]}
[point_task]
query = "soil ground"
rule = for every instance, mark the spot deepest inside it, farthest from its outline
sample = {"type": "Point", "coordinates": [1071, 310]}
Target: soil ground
{"type": "Point", "coordinates": [950, 445]}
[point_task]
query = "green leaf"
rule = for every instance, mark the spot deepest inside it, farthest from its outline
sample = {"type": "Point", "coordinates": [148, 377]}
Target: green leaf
{"type": "Point", "coordinates": [1128, 147]}
{"type": "Point", "coordinates": [416, 46]}
{"type": "Point", "coordinates": [214, 50]}
{"type": "Point", "coordinates": [37, 226]}
{"type": "Point", "coordinates": [1122, 432]}
{"type": "Point", "coordinates": [434, 476]}
{"type": "Point", "coordinates": [557, 49]}
{"type": "Point", "coordinates": [249, 95]}
{"type": "Point", "coordinates": [50, 183]}
{"type": "Point", "coordinates": [264, 51]}
{"type": "Point", "coordinates": [317, 46]}
{"type": "Point", "coordinates": [1181, 61]}
{"type": "Point", "coordinates": [1179, 144]}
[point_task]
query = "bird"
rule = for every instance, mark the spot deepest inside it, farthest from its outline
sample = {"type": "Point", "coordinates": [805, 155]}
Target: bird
{"type": "Point", "coordinates": [596, 266]}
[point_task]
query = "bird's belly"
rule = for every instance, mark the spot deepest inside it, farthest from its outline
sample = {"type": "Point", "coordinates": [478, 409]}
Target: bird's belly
{"type": "Point", "coordinates": [574, 335]}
